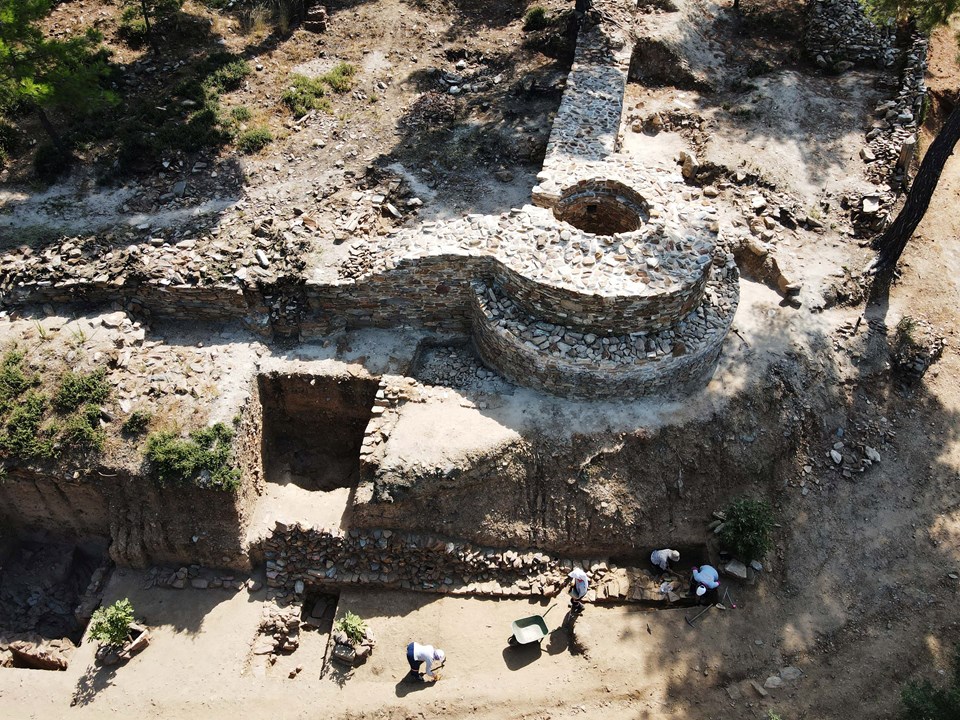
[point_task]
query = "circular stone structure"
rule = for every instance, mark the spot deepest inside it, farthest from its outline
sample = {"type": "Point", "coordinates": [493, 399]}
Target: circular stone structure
{"type": "Point", "coordinates": [602, 207]}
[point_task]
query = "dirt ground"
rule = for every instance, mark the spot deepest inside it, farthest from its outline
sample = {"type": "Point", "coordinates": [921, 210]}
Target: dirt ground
{"type": "Point", "coordinates": [857, 594]}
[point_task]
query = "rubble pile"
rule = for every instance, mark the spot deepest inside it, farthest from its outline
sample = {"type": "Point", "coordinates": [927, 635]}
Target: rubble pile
{"type": "Point", "coordinates": [839, 35]}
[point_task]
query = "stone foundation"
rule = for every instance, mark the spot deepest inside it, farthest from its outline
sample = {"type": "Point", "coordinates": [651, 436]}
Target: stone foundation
{"type": "Point", "coordinates": [300, 560]}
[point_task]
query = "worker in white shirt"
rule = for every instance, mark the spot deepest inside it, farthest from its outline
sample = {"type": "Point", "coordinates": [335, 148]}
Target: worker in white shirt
{"type": "Point", "coordinates": [578, 590]}
{"type": "Point", "coordinates": [661, 559]}
{"type": "Point", "coordinates": [417, 653]}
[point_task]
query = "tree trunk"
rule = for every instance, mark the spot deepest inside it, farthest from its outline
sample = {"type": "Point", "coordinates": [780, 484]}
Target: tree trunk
{"type": "Point", "coordinates": [890, 244]}
{"type": "Point", "coordinates": [55, 137]}
{"type": "Point", "coordinates": [149, 28]}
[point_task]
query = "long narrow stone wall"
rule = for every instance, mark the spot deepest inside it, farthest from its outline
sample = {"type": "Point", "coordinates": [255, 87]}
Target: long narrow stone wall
{"type": "Point", "coordinates": [587, 123]}
{"type": "Point", "coordinates": [300, 560]}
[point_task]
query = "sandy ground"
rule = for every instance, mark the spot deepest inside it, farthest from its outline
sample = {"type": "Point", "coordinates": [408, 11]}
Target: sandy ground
{"type": "Point", "coordinates": [197, 663]}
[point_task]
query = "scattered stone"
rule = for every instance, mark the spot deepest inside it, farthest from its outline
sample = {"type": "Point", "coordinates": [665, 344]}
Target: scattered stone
{"type": "Point", "coordinates": [790, 673]}
{"type": "Point", "coordinates": [773, 682]}
{"type": "Point", "coordinates": [737, 569]}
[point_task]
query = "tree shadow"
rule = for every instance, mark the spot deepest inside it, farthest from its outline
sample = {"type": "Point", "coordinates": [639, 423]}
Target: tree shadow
{"type": "Point", "coordinates": [95, 679]}
{"type": "Point", "coordinates": [457, 147]}
{"type": "Point", "coordinates": [764, 102]}
{"type": "Point", "coordinates": [858, 566]}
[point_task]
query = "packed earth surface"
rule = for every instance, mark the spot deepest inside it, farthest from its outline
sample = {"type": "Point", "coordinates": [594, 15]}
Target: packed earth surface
{"type": "Point", "coordinates": [420, 432]}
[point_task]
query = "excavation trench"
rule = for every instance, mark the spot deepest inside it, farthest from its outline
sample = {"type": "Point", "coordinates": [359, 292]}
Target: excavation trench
{"type": "Point", "coordinates": [48, 590]}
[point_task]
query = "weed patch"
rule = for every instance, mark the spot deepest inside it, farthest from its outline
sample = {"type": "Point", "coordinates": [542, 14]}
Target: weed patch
{"type": "Point", "coordinates": [746, 529]}
{"type": "Point", "coordinates": [254, 140]}
{"type": "Point", "coordinates": [137, 423]}
{"type": "Point", "coordinates": [535, 18]}
{"type": "Point", "coordinates": [204, 459]}
{"type": "Point", "coordinates": [240, 114]}
{"type": "Point", "coordinates": [34, 427]}
{"type": "Point", "coordinates": [309, 93]}
{"type": "Point", "coordinates": [78, 389]}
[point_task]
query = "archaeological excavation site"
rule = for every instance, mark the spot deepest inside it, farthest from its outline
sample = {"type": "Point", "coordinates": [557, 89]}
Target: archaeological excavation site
{"type": "Point", "coordinates": [330, 331]}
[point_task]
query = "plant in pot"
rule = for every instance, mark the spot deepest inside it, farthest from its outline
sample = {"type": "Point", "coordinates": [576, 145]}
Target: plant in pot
{"type": "Point", "coordinates": [119, 636]}
{"type": "Point", "coordinates": [353, 639]}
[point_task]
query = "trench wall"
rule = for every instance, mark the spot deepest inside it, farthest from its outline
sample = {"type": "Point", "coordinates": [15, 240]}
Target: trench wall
{"type": "Point", "coordinates": [598, 494]}
{"type": "Point", "coordinates": [144, 522]}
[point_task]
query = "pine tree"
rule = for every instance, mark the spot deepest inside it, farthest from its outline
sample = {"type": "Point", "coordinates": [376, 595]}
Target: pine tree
{"type": "Point", "coordinates": [927, 14]}
{"type": "Point", "coordinates": [39, 74]}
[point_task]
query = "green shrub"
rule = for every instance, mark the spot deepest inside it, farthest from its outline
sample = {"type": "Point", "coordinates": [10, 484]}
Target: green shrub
{"type": "Point", "coordinates": [27, 432]}
{"type": "Point", "coordinates": [25, 435]}
{"type": "Point", "coordinates": [340, 79]}
{"type": "Point", "coordinates": [747, 528]}
{"type": "Point", "coordinates": [227, 77]}
{"type": "Point", "coordinates": [308, 93]}
{"type": "Point", "coordinates": [82, 429]}
{"type": "Point", "coordinates": [254, 140]}
{"type": "Point", "coordinates": [111, 625]}
{"type": "Point", "coordinates": [241, 113]}
{"type": "Point", "coordinates": [535, 18]}
{"type": "Point", "coordinates": [922, 700]}
{"type": "Point", "coordinates": [13, 381]}
{"type": "Point", "coordinates": [353, 626]}
{"type": "Point", "coordinates": [50, 163]}
{"type": "Point", "coordinates": [78, 389]}
{"type": "Point", "coordinates": [132, 29]}
{"type": "Point", "coordinates": [137, 423]}
{"type": "Point", "coordinates": [204, 459]}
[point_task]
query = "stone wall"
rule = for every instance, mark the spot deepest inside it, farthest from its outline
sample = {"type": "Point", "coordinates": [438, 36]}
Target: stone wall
{"type": "Point", "coordinates": [300, 560]}
{"type": "Point", "coordinates": [839, 35]}
{"type": "Point", "coordinates": [429, 292]}
{"type": "Point", "coordinates": [601, 314]}
{"type": "Point", "coordinates": [571, 364]}
{"type": "Point", "coordinates": [587, 123]}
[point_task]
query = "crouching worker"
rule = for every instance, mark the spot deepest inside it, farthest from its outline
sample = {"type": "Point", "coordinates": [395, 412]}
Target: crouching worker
{"type": "Point", "coordinates": [704, 584]}
{"type": "Point", "coordinates": [660, 560]}
{"type": "Point", "coordinates": [578, 590]}
{"type": "Point", "coordinates": [416, 654]}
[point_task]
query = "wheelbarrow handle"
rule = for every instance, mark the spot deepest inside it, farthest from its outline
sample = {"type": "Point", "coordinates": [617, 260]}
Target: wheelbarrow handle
{"type": "Point", "coordinates": [544, 614]}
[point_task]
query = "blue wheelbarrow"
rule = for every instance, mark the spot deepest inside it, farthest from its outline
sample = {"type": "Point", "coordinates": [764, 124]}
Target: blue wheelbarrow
{"type": "Point", "coordinates": [530, 629]}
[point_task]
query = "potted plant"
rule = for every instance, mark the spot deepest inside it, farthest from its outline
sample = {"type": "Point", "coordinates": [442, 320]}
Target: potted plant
{"type": "Point", "coordinates": [353, 639]}
{"type": "Point", "coordinates": [119, 636]}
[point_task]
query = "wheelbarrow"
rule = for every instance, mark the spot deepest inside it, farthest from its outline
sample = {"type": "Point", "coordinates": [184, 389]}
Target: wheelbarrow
{"type": "Point", "coordinates": [529, 629]}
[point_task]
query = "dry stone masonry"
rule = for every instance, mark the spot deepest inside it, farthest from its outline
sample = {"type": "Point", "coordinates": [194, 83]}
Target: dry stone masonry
{"type": "Point", "coordinates": [615, 251]}
{"type": "Point", "coordinates": [839, 36]}
{"type": "Point", "coordinates": [302, 560]}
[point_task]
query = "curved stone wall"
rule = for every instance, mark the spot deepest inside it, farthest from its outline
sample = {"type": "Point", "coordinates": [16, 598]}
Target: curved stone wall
{"type": "Point", "coordinates": [605, 315]}
{"type": "Point", "coordinates": [563, 362]}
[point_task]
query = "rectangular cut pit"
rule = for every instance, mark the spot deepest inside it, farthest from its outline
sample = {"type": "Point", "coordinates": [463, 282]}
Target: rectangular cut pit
{"type": "Point", "coordinates": [313, 428]}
